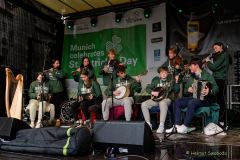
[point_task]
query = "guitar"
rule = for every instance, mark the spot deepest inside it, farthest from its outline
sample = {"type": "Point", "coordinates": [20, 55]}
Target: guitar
{"type": "Point", "coordinates": [124, 89]}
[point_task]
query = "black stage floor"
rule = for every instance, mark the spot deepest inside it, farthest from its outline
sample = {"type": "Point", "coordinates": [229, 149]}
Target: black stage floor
{"type": "Point", "coordinates": [194, 145]}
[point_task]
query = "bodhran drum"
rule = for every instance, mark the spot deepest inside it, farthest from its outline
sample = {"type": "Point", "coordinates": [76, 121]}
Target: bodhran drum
{"type": "Point", "coordinates": [66, 111]}
{"type": "Point", "coordinates": [124, 92]}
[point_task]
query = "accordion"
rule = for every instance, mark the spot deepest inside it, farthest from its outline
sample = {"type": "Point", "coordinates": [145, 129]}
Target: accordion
{"type": "Point", "coordinates": [198, 87]}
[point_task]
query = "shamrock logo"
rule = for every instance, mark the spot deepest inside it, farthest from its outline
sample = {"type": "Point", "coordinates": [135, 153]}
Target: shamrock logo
{"type": "Point", "coordinates": [114, 44]}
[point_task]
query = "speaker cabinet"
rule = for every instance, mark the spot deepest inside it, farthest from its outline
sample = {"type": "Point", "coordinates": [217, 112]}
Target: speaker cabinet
{"type": "Point", "coordinates": [10, 126]}
{"type": "Point", "coordinates": [137, 137]}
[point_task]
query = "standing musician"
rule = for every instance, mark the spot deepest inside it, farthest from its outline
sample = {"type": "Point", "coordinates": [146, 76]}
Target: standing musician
{"type": "Point", "coordinates": [89, 93]}
{"type": "Point", "coordinates": [87, 65]}
{"type": "Point", "coordinates": [175, 67]}
{"type": "Point", "coordinates": [161, 98]}
{"type": "Point", "coordinates": [39, 94]}
{"type": "Point", "coordinates": [208, 92]}
{"type": "Point", "coordinates": [108, 68]}
{"type": "Point", "coordinates": [56, 76]}
{"type": "Point", "coordinates": [219, 68]}
{"type": "Point", "coordinates": [174, 62]}
{"type": "Point", "coordinates": [131, 85]}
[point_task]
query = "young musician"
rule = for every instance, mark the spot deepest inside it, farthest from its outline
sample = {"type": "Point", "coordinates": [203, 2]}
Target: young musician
{"type": "Point", "coordinates": [108, 68]}
{"type": "Point", "coordinates": [39, 94]}
{"type": "Point", "coordinates": [122, 79]}
{"type": "Point", "coordinates": [56, 76]}
{"type": "Point", "coordinates": [219, 68]}
{"type": "Point", "coordinates": [89, 94]}
{"type": "Point", "coordinates": [87, 65]}
{"type": "Point", "coordinates": [209, 92]}
{"type": "Point", "coordinates": [174, 62]}
{"type": "Point", "coordinates": [164, 81]}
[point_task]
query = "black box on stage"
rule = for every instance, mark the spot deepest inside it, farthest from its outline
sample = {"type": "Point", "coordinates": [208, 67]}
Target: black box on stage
{"type": "Point", "coordinates": [137, 137]}
{"type": "Point", "coordinates": [10, 126]}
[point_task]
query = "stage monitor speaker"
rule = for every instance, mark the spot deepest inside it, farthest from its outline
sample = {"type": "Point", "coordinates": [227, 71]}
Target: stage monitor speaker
{"type": "Point", "coordinates": [10, 126]}
{"type": "Point", "coordinates": [137, 136]}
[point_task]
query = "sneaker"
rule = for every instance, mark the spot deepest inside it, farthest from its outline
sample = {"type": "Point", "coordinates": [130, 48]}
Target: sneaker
{"type": "Point", "coordinates": [171, 129]}
{"type": "Point", "coordinates": [58, 123]}
{"type": "Point", "coordinates": [38, 125]}
{"type": "Point", "coordinates": [182, 129]}
{"type": "Point", "coordinates": [160, 129]}
{"type": "Point", "coordinates": [32, 125]}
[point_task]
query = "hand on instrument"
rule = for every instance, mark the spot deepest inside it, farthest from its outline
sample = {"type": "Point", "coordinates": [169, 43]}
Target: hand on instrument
{"type": "Point", "coordinates": [176, 78]}
{"type": "Point", "coordinates": [155, 93]}
{"type": "Point", "coordinates": [116, 93]}
{"type": "Point", "coordinates": [90, 96]}
{"type": "Point", "coordinates": [190, 89]}
{"type": "Point", "coordinates": [80, 98]}
{"type": "Point", "coordinates": [207, 59]}
{"type": "Point", "coordinates": [105, 69]}
{"type": "Point", "coordinates": [205, 91]}
{"type": "Point", "coordinates": [177, 66]}
{"type": "Point", "coordinates": [138, 78]}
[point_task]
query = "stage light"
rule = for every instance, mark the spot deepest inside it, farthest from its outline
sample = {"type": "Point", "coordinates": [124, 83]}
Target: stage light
{"type": "Point", "coordinates": [70, 24]}
{"type": "Point", "coordinates": [118, 18]}
{"type": "Point", "coordinates": [94, 22]}
{"type": "Point", "coordinates": [180, 10]}
{"type": "Point", "coordinates": [147, 12]}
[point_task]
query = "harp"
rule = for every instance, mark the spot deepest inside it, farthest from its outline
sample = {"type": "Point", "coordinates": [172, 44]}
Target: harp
{"type": "Point", "coordinates": [13, 94]}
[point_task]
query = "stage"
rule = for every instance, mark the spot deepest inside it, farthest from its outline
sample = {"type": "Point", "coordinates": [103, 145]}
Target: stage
{"type": "Point", "coordinates": [194, 145]}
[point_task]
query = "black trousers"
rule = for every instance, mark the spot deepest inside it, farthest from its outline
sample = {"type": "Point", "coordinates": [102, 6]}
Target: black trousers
{"type": "Point", "coordinates": [57, 99]}
{"type": "Point", "coordinates": [221, 98]}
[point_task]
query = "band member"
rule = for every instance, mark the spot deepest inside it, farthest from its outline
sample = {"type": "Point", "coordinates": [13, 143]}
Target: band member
{"type": "Point", "coordinates": [208, 92]}
{"type": "Point", "coordinates": [122, 79]}
{"type": "Point", "coordinates": [89, 94]}
{"type": "Point", "coordinates": [219, 68]}
{"type": "Point", "coordinates": [159, 98]}
{"type": "Point", "coordinates": [87, 65]}
{"type": "Point", "coordinates": [39, 94]}
{"type": "Point", "coordinates": [56, 76]}
{"type": "Point", "coordinates": [174, 62]}
{"type": "Point", "coordinates": [108, 68]}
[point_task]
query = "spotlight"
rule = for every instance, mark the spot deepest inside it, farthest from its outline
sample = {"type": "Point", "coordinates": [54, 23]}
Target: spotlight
{"type": "Point", "coordinates": [94, 22]}
{"type": "Point", "coordinates": [147, 12]}
{"type": "Point", "coordinates": [118, 18]}
{"type": "Point", "coordinates": [70, 24]}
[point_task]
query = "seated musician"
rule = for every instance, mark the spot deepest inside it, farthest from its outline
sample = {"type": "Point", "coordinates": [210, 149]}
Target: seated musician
{"type": "Point", "coordinates": [192, 103]}
{"type": "Point", "coordinates": [122, 79]}
{"type": "Point", "coordinates": [89, 93]}
{"type": "Point", "coordinates": [161, 98]}
{"type": "Point", "coordinates": [39, 94]}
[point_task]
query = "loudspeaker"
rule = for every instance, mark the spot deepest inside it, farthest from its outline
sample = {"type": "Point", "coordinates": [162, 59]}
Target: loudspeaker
{"type": "Point", "coordinates": [10, 126]}
{"type": "Point", "coordinates": [137, 137]}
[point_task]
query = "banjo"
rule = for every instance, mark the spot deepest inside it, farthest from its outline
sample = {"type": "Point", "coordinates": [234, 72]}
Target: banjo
{"type": "Point", "coordinates": [124, 88]}
{"type": "Point", "coordinates": [162, 93]}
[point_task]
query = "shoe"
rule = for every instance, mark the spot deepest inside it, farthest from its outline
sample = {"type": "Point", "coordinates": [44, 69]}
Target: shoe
{"type": "Point", "coordinates": [58, 123]}
{"type": "Point", "coordinates": [32, 125]}
{"type": "Point", "coordinates": [150, 125]}
{"type": "Point", "coordinates": [171, 129]}
{"type": "Point", "coordinates": [160, 129]}
{"type": "Point", "coordinates": [38, 125]}
{"type": "Point", "coordinates": [182, 129]}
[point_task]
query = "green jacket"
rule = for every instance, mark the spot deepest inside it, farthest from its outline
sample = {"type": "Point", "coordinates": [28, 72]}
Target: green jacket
{"type": "Point", "coordinates": [55, 78]}
{"type": "Point", "coordinates": [107, 76]}
{"type": "Point", "coordinates": [94, 88]}
{"type": "Point", "coordinates": [220, 65]}
{"type": "Point", "coordinates": [205, 76]}
{"type": "Point", "coordinates": [133, 84]}
{"type": "Point", "coordinates": [35, 89]}
{"type": "Point", "coordinates": [156, 82]}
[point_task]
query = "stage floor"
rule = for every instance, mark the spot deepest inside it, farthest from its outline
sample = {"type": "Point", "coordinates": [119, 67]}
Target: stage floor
{"type": "Point", "coordinates": [177, 146]}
